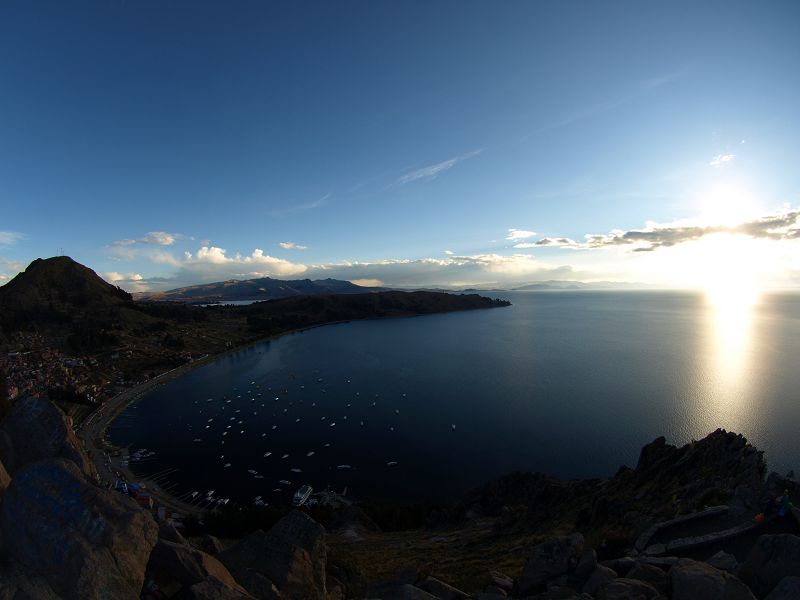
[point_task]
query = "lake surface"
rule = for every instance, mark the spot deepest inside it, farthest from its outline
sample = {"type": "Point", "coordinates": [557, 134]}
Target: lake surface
{"type": "Point", "coordinates": [568, 383]}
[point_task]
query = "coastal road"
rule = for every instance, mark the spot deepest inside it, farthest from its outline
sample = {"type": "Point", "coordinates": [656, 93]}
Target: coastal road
{"type": "Point", "coordinates": [92, 433]}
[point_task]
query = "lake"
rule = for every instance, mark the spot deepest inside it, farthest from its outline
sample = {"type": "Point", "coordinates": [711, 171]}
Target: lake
{"type": "Point", "coordinates": [568, 383]}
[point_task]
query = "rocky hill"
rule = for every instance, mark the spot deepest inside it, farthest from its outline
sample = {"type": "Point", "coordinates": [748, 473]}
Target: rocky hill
{"type": "Point", "coordinates": [264, 288]}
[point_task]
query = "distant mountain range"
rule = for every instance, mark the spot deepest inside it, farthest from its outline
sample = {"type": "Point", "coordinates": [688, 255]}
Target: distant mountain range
{"type": "Point", "coordinates": [265, 288]}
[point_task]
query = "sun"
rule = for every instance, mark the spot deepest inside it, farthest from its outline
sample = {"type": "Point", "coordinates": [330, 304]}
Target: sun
{"type": "Point", "coordinates": [726, 204]}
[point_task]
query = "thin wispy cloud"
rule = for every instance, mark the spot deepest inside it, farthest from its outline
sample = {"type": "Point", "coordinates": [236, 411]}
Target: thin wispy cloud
{"type": "Point", "coordinates": [9, 238]}
{"type": "Point", "coordinates": [292, 246]}
{"type": "Point", "coordinates": [779, 226]}
{"type": "Point", "coordinates": [302, 207]}
{"type": "Point", "coordinates": [721, 159]}
{"type": "Point", "coordinates": [152, 238]}
{"type": "Point", "coordinates": [519, 234]}
{"type": "Point", "coordinates": [432, 171]}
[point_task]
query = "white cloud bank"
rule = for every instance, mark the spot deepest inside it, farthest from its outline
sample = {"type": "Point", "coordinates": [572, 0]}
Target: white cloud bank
{"type": "Point", "coordinates": [778, 226]}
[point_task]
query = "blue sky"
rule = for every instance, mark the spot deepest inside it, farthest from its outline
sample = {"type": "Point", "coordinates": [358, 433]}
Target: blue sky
{"type": "Point", "coordinates": [406, 143]}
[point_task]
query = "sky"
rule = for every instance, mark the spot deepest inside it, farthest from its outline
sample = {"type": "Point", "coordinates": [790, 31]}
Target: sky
{"type": "Point", "coordinates": [435, 143]}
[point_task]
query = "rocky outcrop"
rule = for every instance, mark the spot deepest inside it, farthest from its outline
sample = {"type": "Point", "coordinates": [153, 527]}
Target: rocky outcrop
{"type": "Point", "coordinates": [187, 566]}
{"type": "Point", "coordinates": [5, 479]}
{"type": "Point", "coordinates": [87, 543]}
{"type": "Point", "coordinates": [627, 589]}
{"type": "Point", "coordinates": [441, 590]}
{"type": "Point", "coordinates": [550, 559]}
{"type": "Point", "coordinates": [650, 574]}
{"type": "Point", "coordinates": [213, 589]}
{"type": "Point", "coordinates": [598, 578]}
{"type": "Point", "coordinates": [693, 580]}
{"type": "Point", "coordinates": [36, 429]}
{"type": "Point", "coordinates": [787, 589]}
{"type": "Point", "coordinates": [292, 555]}
{"type": "Point", "coordinates": [398, 591]}
{"type": "Point", "coordinates": [771, 559]}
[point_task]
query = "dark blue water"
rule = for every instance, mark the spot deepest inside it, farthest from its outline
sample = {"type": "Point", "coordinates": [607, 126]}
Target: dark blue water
{"type": "Point", "coordinates": [572, 384]}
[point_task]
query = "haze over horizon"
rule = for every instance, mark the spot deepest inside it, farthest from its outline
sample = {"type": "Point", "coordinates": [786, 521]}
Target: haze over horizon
{"type": "Point", "coordinates": [452, 144]}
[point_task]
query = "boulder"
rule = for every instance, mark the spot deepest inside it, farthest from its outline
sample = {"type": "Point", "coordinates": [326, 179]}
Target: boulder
{"type": "Point", "coordinates": [723, 561]}
{"type": "Point", "coordinates": [442, 590]}
{"type": "Point", "coordinates": [493, 589]}
{"type": "Point", "coordinates": [787, 589]}
{"type": "Point", "coordinates": [586, 564]}
{"type": "Point", "coordinates": [395, 591]}
{"type": "Point", "coordinates": [292, 555]}
{"type": "Point", "coordinates": [258, 585]}
{"type": "Point", "coordinates": [650, 574]}
{"type": "Point", "coordinates": [16, 585]}
{"type": "Point", "coordinates": [501, 580]}
{"type": "Point", "coordinates": [36, 429]}
{"type": "Point", "coordinates": [550, 559]}
{"type": "Point", "coordinates": [169, 533]}
{"type": "Point", "coordinates": [187, 565]}
{"type": "Point", "coordinates": [598, 578]}
{"type": "Point", "coordinates": [210, 545]}
{"type": "Point", "coordinates": [88, 543]}
{"type": "Point", "coordinates": [627, 589]}
{"type": "Point", "coordinates": [694, 580]}
{"type": "Point", "coordinates": [772, 558]}
{"type": "Point", "coordinates": [213, 589]}
{"type": "Point", "coordinates": [5, 478]}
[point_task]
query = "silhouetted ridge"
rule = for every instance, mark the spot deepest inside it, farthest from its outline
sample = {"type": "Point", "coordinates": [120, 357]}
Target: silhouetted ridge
{"type": "Point", "coordinates": [59, 282]}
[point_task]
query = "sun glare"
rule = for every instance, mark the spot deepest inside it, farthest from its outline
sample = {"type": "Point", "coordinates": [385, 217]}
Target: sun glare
{"type": "Point", "coordinates": [728, 203]}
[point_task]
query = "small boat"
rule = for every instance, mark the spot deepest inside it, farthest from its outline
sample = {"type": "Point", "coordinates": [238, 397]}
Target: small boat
{"type": "Point", "coordinates": [226, 465]}
{"type": "Point", "coordinates": [266, 454]}
{"type": "Point", "coordinates": [301, 495]}
{"type": "Point", "coordinates": [285, 456]}
{"type": "Point", "coordinates": [311, 453]}
{"type": "Point", "coordinates": [252, 471]}
{"type": "Point", "coordinates": [296, 470]}
{"type": "Point", "coordinates": [391, 463]}
{"type": "Point", "coordinates": [343, 467]}
{"type": "Point", "coordinates": [285, 482]}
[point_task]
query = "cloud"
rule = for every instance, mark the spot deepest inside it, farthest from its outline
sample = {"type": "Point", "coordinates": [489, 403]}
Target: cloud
{"type": "Point", "coordinates": [301, 207]}
{"type": "Point", "coordinates": [720, 159]}
{"type": "Point", "coordinates": [523, 245]}
{"type": "Point", "coordinates": [449, 252]}
{"type": "Point", "coordinates": [432, 171]}
{"type": "Point", "coordinates": [211, 261]}
{"type": "Point", "coordinates": [155, 238]}
{"type": "Point", "coordinates": [367, 282]}
{"type": "Point", "coordinates": [132, 282]}
{"type": "Point", "coordinates": [9, 238]}
{"type": "Point", "coordinates": [519, 234]}
{"type": "Point", "coordinates": [114, 277]}
{"type": "Point", "coordinates": [8, 269]}
{"type": "Point", "coordinates": [783, 225]}
{"type": "Point", "coordinates": [292, 246]}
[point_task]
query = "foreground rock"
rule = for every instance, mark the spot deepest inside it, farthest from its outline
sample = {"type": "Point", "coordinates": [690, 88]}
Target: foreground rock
{"type": "Point", "coordinates": [550, 559]}
{"type": "Point", "coordinates": [188, 566]}
{"type": "Point", "coordinates": [36, 429]}
{"type": "Point", "coordinates": [693, 580]}
{"type": "Point", "coordinates": [770, 560]}
{"type": "Point", "coordinates": [292, 555]}
{"type": "Point", "coordinates": [87, 543]}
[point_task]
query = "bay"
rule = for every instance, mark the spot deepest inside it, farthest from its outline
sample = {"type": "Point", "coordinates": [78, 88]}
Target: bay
{"type": "Point", "coordinates": [567, 383]}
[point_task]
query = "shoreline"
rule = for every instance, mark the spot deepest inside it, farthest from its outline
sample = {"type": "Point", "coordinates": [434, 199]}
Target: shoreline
{"type": "Point", "coordinates": [92, 431]}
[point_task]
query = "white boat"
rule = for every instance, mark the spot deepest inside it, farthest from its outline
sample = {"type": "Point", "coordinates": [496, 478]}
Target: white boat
{"type": "Point", "coordinates": [285, 482]}
{"type": "Point", "coordinates": [344, 467]}
{"type": "Point", "coordinates": [301, 495]}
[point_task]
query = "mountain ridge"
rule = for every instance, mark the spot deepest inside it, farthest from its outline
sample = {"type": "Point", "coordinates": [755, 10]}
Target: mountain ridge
{"type": "Point", "coordinates": [258, 289]}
